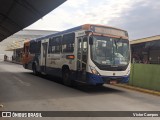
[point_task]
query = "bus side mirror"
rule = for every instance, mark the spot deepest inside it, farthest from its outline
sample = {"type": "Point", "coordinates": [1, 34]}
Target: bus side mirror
{"type": "Point", "coordinates": [91, 40]}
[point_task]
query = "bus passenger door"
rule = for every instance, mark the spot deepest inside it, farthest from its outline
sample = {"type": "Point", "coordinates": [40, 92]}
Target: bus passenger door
{"type": "Point", "coordinates": [81, 58]}
{"type": "Point", "coordinates": [44, 49]}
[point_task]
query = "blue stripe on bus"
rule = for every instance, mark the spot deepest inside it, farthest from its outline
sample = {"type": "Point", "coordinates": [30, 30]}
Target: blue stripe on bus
{"type": "Point", "coordinates": [93, 79]}
{"type": "Point", "coordinates": [96, 79]}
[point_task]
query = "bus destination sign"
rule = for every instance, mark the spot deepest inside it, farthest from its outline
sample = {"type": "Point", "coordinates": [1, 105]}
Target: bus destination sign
{"type": "Point", "coordinates": [110, 31]}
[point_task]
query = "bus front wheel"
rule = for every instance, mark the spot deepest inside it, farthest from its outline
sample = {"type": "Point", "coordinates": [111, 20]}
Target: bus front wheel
{"type": "Point", "coordinates": [66, 77]}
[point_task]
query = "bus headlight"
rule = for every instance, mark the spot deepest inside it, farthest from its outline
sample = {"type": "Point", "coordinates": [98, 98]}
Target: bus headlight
{"type": "Point", "coordinates": [94, 71]}
{"type": "Point", "coordinates": [128, 72]}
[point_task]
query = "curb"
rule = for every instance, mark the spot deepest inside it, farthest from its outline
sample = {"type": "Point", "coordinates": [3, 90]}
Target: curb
{"type": "Point", "coordinates": [14, 62]}
{"type": "Point", "coordinates": [139, 89]}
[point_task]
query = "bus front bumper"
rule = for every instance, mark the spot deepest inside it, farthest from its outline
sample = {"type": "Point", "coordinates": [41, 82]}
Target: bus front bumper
{"type": "Point", "coordinates": [93, 79]}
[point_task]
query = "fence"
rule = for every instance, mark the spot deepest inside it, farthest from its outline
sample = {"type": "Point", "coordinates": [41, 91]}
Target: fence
{"type": "Point", "coordinates": [145, 76]}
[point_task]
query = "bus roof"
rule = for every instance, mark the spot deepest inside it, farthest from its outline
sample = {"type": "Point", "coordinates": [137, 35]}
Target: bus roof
{"type": "Point", "coordinates": [81, 27]}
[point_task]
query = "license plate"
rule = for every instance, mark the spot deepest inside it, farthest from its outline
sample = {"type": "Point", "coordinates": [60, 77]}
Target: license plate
{"type": "Point", "coordinates": [113, 81]}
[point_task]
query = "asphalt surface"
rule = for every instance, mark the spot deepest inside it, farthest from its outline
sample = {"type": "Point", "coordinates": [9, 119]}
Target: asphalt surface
{"type": "Point", "coordinates": [20, 90]}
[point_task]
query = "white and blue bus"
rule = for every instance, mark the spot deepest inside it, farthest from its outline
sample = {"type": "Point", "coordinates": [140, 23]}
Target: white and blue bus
{"type": "Point", "coordinates": [90, 54]}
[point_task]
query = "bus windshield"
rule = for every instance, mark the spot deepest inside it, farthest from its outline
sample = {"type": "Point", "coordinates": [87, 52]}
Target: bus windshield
{"type": "Point", "coordinates": [110, 51]}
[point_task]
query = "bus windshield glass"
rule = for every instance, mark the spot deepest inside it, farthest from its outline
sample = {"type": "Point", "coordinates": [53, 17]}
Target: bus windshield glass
{"type": "Point", "coordinates": [110, 51]}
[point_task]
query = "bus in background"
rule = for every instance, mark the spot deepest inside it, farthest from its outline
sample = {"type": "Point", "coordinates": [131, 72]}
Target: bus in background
{"type": "Point", "coordinates": [90, 54]}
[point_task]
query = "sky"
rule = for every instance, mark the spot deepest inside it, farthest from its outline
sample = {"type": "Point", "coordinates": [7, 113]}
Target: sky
{"type": "Point", "coordinates": [141, 18]}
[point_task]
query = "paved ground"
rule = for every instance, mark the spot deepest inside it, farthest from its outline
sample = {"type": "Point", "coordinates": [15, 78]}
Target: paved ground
{"type": "Point", "coordinates": [21, 90]}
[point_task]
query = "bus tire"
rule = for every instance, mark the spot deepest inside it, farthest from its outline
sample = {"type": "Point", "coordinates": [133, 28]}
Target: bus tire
{"type": "Point", "coordinates": [66, 77]}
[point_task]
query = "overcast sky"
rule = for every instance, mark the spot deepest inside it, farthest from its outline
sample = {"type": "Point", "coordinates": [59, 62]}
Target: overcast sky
{"type": "Point", "coordinates": [141, 18]}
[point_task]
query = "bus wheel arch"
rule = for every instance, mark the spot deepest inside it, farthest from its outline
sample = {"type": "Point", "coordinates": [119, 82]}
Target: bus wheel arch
{"type": "Point", "coordinates": [66, 75]}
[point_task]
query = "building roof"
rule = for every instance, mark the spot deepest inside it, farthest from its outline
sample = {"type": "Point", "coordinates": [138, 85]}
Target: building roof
{"type": "Point", "coordinates": [17, 40]}
{"type": "Point", "coordinates": [147, 39]}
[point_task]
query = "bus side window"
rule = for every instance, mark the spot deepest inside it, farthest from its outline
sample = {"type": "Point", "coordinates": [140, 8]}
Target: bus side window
{"type": "Point", "coordinates": [54, 45]}
{"type": "Point", "coordinates": [68, 43]}
{"type": "Point", "coordinates": [57, 41]}
{"type": "Point", "coordinates": [33, 47]}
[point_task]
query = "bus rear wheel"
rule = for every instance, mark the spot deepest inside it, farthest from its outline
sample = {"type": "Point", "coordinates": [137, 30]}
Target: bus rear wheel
{"type": "Point", "coordinates": [66, 77]}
